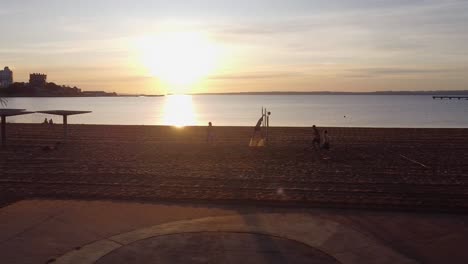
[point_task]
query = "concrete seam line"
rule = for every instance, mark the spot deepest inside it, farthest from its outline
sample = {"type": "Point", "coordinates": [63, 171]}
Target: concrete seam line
{"type": "Point", "coordinates": [89, 253]}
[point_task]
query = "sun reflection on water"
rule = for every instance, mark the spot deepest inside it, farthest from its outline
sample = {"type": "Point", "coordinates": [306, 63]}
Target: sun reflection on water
{"type": "Point", "coordinates": [179, 111]}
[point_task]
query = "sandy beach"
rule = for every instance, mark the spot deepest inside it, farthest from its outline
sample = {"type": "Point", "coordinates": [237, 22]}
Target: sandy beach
{"type": "Point", "coordinates": [374, 168]}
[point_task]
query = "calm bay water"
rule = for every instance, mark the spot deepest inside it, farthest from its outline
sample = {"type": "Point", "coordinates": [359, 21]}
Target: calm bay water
{"type": "Point", "coordinates": [244, 110]}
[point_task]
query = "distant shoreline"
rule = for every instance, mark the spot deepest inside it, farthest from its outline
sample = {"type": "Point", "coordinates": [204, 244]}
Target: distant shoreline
{"type": "Point", "coordinates": [436, 92]}
{"type": "Point", "coordinates": [74, 96]}
{"type": "Point", "coordinates": [428, 93]}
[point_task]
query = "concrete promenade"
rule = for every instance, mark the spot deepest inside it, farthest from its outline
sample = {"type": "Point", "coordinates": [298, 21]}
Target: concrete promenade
{"type": "Point", "coordinates": [67, 231]}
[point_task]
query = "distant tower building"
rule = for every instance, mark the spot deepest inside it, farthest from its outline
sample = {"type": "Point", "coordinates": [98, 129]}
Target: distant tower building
{"type": "Point", "coordinates": [6, 77]}
{"type": "Point", "coordinates": [37, 80]}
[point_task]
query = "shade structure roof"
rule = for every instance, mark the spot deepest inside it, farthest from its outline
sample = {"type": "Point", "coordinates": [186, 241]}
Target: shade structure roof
{"type": "Point", "coordinates": [14, 112]}
{"type": "Point", "coordinates": [63, 112]}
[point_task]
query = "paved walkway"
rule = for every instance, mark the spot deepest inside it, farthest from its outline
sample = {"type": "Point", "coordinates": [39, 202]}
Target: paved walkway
{"type": "Point", "coordinates": [216, 247]}
{"type": "Point", "coordinates": [117, 232]}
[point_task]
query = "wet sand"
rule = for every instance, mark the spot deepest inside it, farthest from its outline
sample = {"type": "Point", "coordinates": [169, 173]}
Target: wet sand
{"type": "Point", "coordinates": [376, 168]}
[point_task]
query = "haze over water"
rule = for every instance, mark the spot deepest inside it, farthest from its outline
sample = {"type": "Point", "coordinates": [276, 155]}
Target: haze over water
{"type": "Point", "coordinates": [244, 110]}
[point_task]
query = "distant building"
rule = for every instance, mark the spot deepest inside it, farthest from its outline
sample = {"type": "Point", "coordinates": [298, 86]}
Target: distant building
{"type": "Point", "coordinates": [37, 80]}
{"type": "Point", "coordinates": [6, 77]}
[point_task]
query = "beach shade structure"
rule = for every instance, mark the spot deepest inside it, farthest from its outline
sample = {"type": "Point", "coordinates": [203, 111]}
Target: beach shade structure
{"type": "Point", "coordinates": [64, 114]}
{"type": "Point", "coordinates": [4, 113]}
{"type": "Point", "coordinates": [262, 139]}
{"type": "Point", "coordinates": [266, 115]}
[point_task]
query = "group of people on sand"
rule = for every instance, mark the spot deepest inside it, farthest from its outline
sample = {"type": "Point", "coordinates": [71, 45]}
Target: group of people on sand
{"type": "Point", "coordinates": [50, 122]}
{"type": "Point", "coordinates": [319, 141]}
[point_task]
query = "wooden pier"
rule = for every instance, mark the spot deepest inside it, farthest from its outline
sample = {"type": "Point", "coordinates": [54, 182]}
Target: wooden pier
{"type": "Point", "coordinates": [450, 97]}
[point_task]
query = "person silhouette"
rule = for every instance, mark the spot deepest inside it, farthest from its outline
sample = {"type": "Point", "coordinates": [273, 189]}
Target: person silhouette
{"type": "Point", "coordinates": [326, 140]}
{"type": "Point", "coordinates": [210, 133]}
{"type": "Point", "coordinates": [51, 122]}
{"type": "Point", "coordinates": [316, 139]}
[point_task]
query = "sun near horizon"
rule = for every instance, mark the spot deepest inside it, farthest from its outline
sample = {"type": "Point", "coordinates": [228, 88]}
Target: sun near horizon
{"type": "Point", "coordinates": [178, 59]}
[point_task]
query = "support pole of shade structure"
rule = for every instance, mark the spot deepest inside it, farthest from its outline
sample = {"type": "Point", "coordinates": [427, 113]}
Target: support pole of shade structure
{"type": "Point", "coordinates": [65, 128]}
{"type": "Point", "coordinates": [268, 125]}
{"type": "Point", "coordinates": [64, 114]}
{"type": "Point", "coordinates": [3, 130]}
{"type": "Point", "coordinates": [4, 113]}
{"type": "Point", "coordinates": [266, 122]}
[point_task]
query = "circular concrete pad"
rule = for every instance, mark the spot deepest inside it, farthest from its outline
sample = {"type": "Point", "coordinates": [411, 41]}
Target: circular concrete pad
{"type": "Point", "coordinates": [344, 244]}
{"type": "Point", "coordinates": [216, 247]}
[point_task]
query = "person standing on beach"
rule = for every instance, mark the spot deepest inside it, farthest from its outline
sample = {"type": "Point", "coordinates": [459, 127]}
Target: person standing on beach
{"type": "Point", "coordinates": [316, 139]}
{"type": "Point", "coordinates": [210, 134]}
{"type": "Point", "coordinates": [326, 140]}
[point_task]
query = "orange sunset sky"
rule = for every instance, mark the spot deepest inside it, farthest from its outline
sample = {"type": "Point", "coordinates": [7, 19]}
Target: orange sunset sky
{"type": "Point", "coordinates": [156, 47]}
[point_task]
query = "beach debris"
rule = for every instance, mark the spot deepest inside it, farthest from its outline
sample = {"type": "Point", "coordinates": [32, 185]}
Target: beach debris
{"type": "Point", "coordinates": [49, 148]}
{"type": "Point", "coordinates": [46, 148]}
{"type": "Point", "coordinates": [414, 161]}
{"type": "Point", "coordinates": [280, 191]}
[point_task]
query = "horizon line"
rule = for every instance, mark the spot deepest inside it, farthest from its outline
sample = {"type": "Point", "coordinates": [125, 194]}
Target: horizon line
{"type": "Point", "coordinates": [410, 92]}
